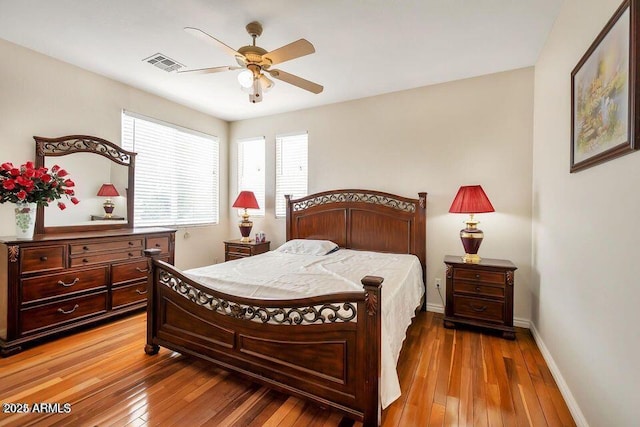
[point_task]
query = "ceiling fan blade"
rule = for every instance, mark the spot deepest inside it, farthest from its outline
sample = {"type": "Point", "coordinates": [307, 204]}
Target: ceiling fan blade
{"type": "Point", "coordinates": [291, 51]}
{"type": "Point", "coordinates": [296, 81]}
{"type": "Point", "coordinates": [210, 70]}
{"type": "Point", "coordinates": [208, 38]}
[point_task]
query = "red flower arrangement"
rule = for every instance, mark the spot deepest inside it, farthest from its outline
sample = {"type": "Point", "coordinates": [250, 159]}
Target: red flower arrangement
{"type": "Point", "coordinates": [27, 184]}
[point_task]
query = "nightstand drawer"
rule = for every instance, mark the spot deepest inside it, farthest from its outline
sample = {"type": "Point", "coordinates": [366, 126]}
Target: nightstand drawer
{"type": "Point", "coordinates": [479, 275]}
{"type": "Point", "coordinates": [476, 308]}
{"type": "Point", "coordinates": [478, 289]}
{"type": "Point", "coordinates": [245, 250]}
{"type": "Point", "coordinates": [232, 256]}
{"type": "Point", "coordinates": [43, 259]}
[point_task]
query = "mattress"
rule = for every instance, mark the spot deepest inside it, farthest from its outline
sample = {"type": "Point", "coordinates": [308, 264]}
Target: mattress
{"type": "Point", "coordinates": [275, 275]}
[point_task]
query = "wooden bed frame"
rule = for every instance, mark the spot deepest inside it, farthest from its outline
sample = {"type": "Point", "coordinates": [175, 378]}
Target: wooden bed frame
{"type": "Point", "coordinates": [325, 349]}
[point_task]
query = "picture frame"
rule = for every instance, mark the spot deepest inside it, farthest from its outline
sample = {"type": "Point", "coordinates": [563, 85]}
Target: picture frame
{"type": "Point", "coordinates": [603, 93]}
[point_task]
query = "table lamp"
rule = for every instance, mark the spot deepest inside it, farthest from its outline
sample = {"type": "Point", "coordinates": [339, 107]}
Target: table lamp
{"type": "Point", "coordinates": [246, 200]}
{"type": "Point", "coordinates": [471, 199]}
{"type": "Point", "coordinates": [108, 191]}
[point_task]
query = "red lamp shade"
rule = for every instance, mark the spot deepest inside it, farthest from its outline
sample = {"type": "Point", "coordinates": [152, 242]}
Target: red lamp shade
{"type": "Point", "coordinates": [108, 190]}
{"type": "Point", "coordinates": [471, 199]}
{"type": "Point", "coordinates": [247, 200]}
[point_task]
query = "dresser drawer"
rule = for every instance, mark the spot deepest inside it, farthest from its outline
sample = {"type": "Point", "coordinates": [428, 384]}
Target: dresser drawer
{"type": "Point", "coordinates": [129, 271]}
{"type": "Point", "coordinates": [58, 313]}
{"type": "Point", "coordinates": [239, 250]}
{"type": "Point", "coordinates": [161, 243]}
{"type": "Point", "coordinates": [476, 308]}
{"type": "Point", "coordinates": [481, 276]}
{"type": "Point", "coordinates": [478, 289]}
{"type": "Point", "coordinates": [105, 257]}
{"type": "Point", "coordinates": [43, 258]}
{"type": "Point", "coordinates": [107, 245]}
{"type": "Point", "coordinates": [129, 294]}
{"type": "Point", "coordinates": [52, 285]}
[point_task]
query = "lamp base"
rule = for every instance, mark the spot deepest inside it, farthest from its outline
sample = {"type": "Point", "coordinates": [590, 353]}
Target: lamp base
{"type": "Point", "coordinates": [245, 229]}
{"type": "Point", "coordinates": [471, 259]}
{"type": "Point", "coordinates": [108, 208]}
{"type": "Point", "coordinates": [471, 238]}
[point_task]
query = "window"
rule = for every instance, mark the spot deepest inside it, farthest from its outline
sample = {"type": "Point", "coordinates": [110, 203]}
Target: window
{"type": "Point", "coordinates": [251, 171]}
{"type": "Point", "coordinates": [291, 169]}
{"type": "Point", "coordinates": [176, 180]}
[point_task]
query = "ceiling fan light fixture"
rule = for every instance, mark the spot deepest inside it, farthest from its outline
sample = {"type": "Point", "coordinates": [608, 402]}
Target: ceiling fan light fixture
{"type": "Point", "coordinates": [266, 83]}
{"type": "Point", "coordinates": [256, 94]}
{"type": "Point", "coordinates": [245, 78]}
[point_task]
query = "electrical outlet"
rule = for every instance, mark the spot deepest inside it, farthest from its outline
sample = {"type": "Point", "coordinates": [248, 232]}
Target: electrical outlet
{"type": "Point", "coordinates": [438, 282]}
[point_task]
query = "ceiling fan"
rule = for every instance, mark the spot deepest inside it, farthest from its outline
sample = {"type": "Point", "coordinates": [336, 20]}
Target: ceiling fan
{"type": "Point", "coordinates": [257, 62]}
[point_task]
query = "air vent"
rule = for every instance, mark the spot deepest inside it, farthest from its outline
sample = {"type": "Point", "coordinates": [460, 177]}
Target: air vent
{"type": "Point", "coordinates": [163, 62]}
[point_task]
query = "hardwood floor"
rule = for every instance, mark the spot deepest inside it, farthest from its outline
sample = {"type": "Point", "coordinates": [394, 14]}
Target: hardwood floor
{"type": "Point", "coordinates": [448, 377]}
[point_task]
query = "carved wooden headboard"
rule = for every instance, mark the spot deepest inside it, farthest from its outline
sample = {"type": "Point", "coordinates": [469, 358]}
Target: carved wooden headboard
{"type": "Point", "coordinates": [362, 219]}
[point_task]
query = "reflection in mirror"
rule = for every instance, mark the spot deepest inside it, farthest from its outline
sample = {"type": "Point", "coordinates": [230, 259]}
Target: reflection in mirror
{"type": "Point", "coordinates": [91, 162]}
{"type": "Point", "coordinates": [89, 172]}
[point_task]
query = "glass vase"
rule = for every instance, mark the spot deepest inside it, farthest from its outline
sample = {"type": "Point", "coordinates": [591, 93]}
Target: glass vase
{"type": "Point", "coordinates": [25, 219]}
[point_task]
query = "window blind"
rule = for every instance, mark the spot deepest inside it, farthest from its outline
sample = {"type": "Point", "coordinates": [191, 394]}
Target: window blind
{"type": "Point", "coordinates": [291, 169]}
{"type": "Point", "coordinates": [251, 175]}
{"type": "Point", "coordinates": [177, 172]}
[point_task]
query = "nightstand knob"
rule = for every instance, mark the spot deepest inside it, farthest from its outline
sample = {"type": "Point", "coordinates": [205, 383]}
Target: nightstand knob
{"type": "Point", "coordinates": [477, 276]}
{"type": "Point", "coordinates": [477, 288]}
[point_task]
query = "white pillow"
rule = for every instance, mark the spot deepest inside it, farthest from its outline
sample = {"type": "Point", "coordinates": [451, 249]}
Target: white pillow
{"type": "Point", "coordinates": [307, 247]}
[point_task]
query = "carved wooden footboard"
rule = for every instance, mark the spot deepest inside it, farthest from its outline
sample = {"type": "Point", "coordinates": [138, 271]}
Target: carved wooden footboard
{"type": "Point", "coordinates": [325, 349]}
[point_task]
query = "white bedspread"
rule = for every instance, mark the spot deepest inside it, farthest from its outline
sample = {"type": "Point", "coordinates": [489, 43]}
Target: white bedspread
{"type": "Point", "coordinates": [274, 275]}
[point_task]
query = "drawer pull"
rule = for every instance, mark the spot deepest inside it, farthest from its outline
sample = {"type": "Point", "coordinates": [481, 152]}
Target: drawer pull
{"type": "Point", "coordinates": [477, 276]}
{"type": "Point", "coordinates": [85, 260]}
{"type": "Point", "coordinates": [139, 292]}
{"type": "Point", "coordinates": [142, 270]}
{"type": "Point", "coordinates": [131, 243]}
{"type": "Point", "coordinates": [477, 288]}
{"type": "Point", "coordinates": [75, 307]}
{"type": "Point", "coordinates": [158, 245]}
{"type": "Point", "coordinates": [478, 309]}
{"type": "Point", "coordinates": [66, 285]}
{"type": "Point", "coordinates": [85, 248]}
{"type": "Point", "coordinates": [43, 258]}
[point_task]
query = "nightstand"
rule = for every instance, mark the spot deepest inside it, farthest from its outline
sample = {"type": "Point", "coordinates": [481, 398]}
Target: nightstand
{"type": "Point", "coordinates": [480, 294]}
{"type": "Point", "coordinates": [235, 249]}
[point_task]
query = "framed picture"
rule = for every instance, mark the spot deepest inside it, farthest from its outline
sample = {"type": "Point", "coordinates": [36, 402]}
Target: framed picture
{"type": "Point", "coordinates": [603, 93]}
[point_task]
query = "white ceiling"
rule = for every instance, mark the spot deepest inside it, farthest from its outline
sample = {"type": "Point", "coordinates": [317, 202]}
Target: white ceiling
{"type": "Point", "coordinates": [363, 47]}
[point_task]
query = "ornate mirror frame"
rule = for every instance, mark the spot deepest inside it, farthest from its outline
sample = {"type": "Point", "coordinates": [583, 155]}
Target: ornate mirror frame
{"type": "Point", "coordinates": [62, 146]}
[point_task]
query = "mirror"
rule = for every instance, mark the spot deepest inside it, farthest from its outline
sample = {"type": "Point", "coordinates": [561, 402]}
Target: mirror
{"type": "Point", "coordinates": [91, 162]}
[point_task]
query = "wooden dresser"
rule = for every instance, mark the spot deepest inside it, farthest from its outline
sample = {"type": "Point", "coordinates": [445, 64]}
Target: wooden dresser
{"type": "Point", "coordinates": [480, 294]}
{"type": "Point", "coordinates": [235, 249]}
{"type": "Point", "coordinates": [60, 281]}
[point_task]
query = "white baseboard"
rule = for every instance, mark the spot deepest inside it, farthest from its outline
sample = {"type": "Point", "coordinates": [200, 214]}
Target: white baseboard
{"type": "Point", "coordinates": [577, 414]}
{"type": "Point", "coordinates": [436, 308]}
{"type": "Point", "coordinates": [521, 323]}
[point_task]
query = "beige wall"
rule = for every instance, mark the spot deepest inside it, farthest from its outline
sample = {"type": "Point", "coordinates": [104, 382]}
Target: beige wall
{"type": "Point", "coordinates": [433, 139]}
{"type": "Point", "coordinates": [585, 283]}
{"type": "Point", "coordinates": [43, 96]}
